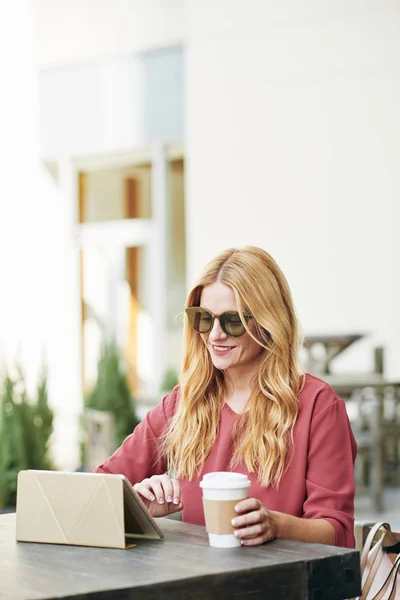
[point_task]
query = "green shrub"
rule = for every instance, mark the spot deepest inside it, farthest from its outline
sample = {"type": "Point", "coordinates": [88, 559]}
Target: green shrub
{"type": "Point", "coordinates": [111, 391]}
{"type": "Point", "coordinates": [25, 429]}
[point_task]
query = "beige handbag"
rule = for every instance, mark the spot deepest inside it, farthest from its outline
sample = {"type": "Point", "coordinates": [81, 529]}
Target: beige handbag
{"type": "Point", "coordinates": [380, 564]}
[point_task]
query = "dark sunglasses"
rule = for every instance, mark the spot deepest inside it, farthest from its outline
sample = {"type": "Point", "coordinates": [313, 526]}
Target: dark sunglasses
{"type": "Point", "coordinates": [202, 321]}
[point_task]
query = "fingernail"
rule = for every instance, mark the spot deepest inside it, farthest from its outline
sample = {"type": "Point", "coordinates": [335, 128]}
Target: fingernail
{"type": "Point", "coordinates": [234, 522]}
{"type": "Point", "coordinates": [161, 501]}
{"type": "Point", "coordinates": [152, 497]}
{"type": "Point", "coordinates": [176, 500]}
{"type": "Point", "coordinates": [169, 499]}
{"type": "Point", "coordinates": [237, 533]}
{"type": "Point", "coordinates": [238, 508]}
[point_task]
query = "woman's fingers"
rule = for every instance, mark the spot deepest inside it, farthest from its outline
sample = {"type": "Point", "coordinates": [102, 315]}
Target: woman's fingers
{"type": "Point", "coordinates": [250, 532]}
{"type": "Point", "coordinates": [160, 494]}
{"type": "Point", "coordinates": [248, 505]}
{"type": "Point", "coordinates": [176, 495]}
{"type": "Point", "coordinates": [256, 541]}
{"type": "Point", "coordinates": [255, 534]}
{"type": "Point", "coordinates": [247, 519]}
{"type": "Point", "coordinates": [254, 524]}
{"type": "Point", "coordinates": [144, 490]}
{"type": "Point", "coordinates": [158, 491]}
{"type": "Point", "coordinates": [160, 488]}
{"type": "Point", "coordinates": [167, 487]}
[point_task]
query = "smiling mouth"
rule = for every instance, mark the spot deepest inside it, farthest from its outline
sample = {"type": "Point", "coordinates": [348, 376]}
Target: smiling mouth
{"type": "Point", "coordinates": [221, 349]}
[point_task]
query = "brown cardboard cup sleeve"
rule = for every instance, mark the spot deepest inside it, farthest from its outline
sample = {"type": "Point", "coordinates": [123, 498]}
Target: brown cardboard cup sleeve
{"type": "Point", "coordinates": [219, 514]}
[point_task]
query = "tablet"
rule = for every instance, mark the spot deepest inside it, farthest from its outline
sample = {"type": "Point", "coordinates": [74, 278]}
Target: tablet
{"type": "Point", "coordinates": [138, 520]}
{"type": "Point", "coordinates": [89, 509]}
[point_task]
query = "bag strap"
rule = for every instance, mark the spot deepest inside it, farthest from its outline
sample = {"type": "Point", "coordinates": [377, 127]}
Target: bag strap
{"type": "Point", "coordinates": [375, 559]}
{"type": "Point", "coordinates": [369, 541]}
{"type": "Point", "coordinates": [388, 589]}
{"type": "Point", "coordinates": [395, 578]}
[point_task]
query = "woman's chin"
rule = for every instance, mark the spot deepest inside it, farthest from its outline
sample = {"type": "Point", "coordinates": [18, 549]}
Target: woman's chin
{"type": "Point", "coordinates": [221, 362]}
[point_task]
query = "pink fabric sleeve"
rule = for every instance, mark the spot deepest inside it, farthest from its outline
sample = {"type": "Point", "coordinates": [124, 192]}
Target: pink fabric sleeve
{"type": "Point", "coordinates": [330, 470]}
{"type": "Point", "coordinates": [139, 456]}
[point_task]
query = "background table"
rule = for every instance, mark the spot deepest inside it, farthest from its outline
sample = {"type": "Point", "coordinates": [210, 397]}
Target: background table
{"type": "Point", "coordinates": [332, 346]}
{"type": "Point", "coordinates": [373, 406]}
{"type": "Point", "coordinates": [182, 566]}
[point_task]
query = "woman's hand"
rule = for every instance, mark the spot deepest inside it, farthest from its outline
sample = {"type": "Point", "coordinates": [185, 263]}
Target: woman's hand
{"type": "Point", "coordinates": [255, 524]}
{"type": "Point", "coordinates": [160, 494]}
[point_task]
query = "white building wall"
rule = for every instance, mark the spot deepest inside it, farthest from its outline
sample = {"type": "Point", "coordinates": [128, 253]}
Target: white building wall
{"type": "Point", "coordinates": [293, 128]}
{"type": "Point", "coordinates": [111, 105]}
{"type": "Point", "coordinates": [34, 264]}
{"type": "Point", "coordinates": [67, 31]}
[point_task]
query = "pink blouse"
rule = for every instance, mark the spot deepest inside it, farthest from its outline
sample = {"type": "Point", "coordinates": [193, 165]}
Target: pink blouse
{"type": "Point", "coordinates": [319, 483]}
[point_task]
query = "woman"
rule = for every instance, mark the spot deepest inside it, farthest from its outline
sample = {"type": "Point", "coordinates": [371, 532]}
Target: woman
{"type": "Point", "coordinates": [244, 405]}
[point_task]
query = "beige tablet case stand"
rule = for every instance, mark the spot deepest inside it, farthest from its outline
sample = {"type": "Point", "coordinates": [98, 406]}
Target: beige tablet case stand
{"type": "Point", "coordinates": [82, 509]}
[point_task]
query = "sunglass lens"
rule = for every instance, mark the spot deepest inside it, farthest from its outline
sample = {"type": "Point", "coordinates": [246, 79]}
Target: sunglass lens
{"type": "Point", "coordinates": [232, 324]}
{"type": "Point", "coordinates": [200, 320]}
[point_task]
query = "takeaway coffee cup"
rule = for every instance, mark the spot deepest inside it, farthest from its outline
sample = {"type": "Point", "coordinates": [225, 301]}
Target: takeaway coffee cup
{"type": "Point", "coordinates": [221, 492]}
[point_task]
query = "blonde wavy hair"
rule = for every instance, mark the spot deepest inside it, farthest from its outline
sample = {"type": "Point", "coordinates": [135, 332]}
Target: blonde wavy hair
{"type": "Point", "coordinates": [263, 433]}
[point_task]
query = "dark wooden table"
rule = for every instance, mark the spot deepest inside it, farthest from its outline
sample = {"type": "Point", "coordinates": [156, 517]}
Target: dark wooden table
{"type": "Point", "coordinates": [183, 566]}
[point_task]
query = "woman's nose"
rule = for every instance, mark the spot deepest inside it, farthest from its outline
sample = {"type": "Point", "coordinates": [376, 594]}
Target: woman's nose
{"type": "Point", "coordinates": [216, 332]}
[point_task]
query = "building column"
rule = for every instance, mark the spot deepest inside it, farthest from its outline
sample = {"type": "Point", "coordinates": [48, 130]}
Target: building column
{"type": "Point", "coordinates": [158, 263]}
{"type": "Point", "coordinates": [67, 379]}
{"type": "Point", "coordinates": [117, 320]}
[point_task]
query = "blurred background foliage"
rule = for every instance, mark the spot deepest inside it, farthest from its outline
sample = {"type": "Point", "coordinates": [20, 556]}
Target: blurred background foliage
{"type": "Point", "coordinates": [26, 425]}
{"type": "Point", "coordinates": [170, 380]}
{"type": "Point", "coordinates": [111, 391]}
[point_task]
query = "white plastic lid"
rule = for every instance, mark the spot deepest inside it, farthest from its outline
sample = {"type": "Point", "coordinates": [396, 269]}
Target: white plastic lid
{"type": "Point", "coordinates": [224, 480]}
